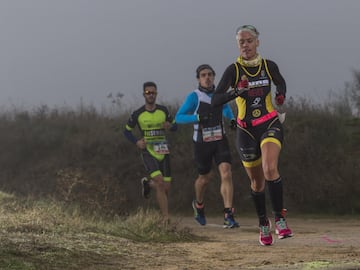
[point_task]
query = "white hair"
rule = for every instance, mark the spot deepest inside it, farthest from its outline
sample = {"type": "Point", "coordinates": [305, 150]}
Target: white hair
{"type": "Point", "coordinates": [247, 28]}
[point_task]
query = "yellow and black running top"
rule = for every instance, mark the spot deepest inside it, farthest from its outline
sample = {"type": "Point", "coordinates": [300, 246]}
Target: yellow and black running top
{"type": "Point", "coordinates": [151, 126]}
{"type": "Point", "coordinates": [256, 102]}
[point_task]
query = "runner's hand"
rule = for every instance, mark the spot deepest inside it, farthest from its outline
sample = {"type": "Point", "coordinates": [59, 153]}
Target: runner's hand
{"type": "Point", "coordinates": [279, 99]}
{"type": "Point", "coordinates": [167, 125]}
{"type": "Point", "coordinates": [141, 143]}
{"type": "Point", "coordinates": [242, 86]}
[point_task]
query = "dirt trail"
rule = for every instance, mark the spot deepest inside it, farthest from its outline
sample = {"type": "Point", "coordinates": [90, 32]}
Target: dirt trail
{"type": "Point", "coordinates": [317, 244]}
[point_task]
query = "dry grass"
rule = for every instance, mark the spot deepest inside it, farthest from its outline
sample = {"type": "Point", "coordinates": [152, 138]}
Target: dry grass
{"type": "Point", "coordinates": [50, 235]}
{"type": "Point", "coordinates": [81, 157]}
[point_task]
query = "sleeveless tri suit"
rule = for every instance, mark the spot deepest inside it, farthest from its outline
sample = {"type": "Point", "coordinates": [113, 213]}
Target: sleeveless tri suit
{"type": "Point", "coordinates": [257, 118]}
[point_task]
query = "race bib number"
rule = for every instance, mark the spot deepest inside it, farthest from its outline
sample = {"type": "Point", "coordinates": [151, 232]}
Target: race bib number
{"type": "Point", "coordinates": [211, 134]}
{"type": "Point", "coordinates": [161, 148]}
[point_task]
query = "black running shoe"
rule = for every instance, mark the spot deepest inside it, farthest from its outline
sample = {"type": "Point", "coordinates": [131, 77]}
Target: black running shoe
{"type": "Point", "coordinates": [145, 187]}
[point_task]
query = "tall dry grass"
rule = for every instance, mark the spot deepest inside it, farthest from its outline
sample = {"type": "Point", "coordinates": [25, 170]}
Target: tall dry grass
{"type": "Point", "coordinates": [48, 234]}
{"type": "Point", "coordinates": [81, 157]}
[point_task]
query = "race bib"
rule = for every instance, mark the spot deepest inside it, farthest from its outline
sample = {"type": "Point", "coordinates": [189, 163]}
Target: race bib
{"type": "Point", "coordinates": [211, 134]}
{"type": "Point", "coordinates": [161, 148]}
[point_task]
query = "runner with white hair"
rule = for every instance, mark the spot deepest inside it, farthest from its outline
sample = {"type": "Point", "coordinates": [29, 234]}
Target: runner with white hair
{"type": "Point", "coordinates": [259, 131]}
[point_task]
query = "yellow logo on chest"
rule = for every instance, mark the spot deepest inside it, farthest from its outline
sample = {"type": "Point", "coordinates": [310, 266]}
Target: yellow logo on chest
{"type": "Point", "coordinates": [256, 113]}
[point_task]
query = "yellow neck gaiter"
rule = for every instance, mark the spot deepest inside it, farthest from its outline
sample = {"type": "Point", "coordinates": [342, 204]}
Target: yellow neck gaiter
{"type": "Point", "coordinates": [250, 63]}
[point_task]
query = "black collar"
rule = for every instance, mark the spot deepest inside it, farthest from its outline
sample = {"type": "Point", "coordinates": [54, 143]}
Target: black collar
{"type": "Point", "coordinates": [207, 90]}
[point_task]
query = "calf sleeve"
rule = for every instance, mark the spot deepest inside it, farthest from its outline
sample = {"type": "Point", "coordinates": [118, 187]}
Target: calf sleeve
{"type": "Point", "coordinates": [276, 196]}
{"type": "Point", "coordinates": [259, 201]}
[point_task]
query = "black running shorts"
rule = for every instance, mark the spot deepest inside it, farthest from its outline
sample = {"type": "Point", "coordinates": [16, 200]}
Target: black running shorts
{"type": "Point", "coordinates": [155, 167]}
{"type": "Point", "coordinates": [206, 152]}
{"type": "Point", "coordinates": [249, 140]}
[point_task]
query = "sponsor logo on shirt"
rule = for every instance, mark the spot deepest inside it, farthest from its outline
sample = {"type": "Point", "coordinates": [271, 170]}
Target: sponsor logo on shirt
{"type": "Point", "coordinates": [259, 83]}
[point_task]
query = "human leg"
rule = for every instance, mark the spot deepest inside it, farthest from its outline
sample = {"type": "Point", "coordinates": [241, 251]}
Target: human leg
{"type": "Point", "coordinates": [257, 181]}
{"type": "Point", "coordinates": [270, 156]}
{"type": "Point", "coordinates": [203, 154]}
{"type": "Point", "coordinates": [226, 187]}
{"type": "Point", "coordinates": [271, 152]}
{"type": "Point", "coordinates": [250, 154]}
{"type": "Point", "coordinates": [198, 204]}
{"type": "Point", "coordinates": [165, 169]}
{"type": "Point", "coordinates": [257, 184]}
{"type": "Point", "coordinates": [159, 185]}
{"type": "Point", "coordinates": [203, 159]}
{"type": "Point", "coordinates": [222, 159]}
{"type": "Point", "coordinates": [227, 191]}
{"type": "Point", "coordinates": [271, 143]}
{"type": "Point", "coordinates": [275, 188]}
{"type": "Point", "coordinates": [148, 183]}
{"type": "Point", "coordinates": [200, 185]}
{"type": "Point", "coordinates": [154, 168]}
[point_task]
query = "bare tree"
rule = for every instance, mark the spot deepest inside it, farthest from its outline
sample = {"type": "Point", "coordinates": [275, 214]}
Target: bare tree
{"type": "Point", "coordinates": [355, 91]}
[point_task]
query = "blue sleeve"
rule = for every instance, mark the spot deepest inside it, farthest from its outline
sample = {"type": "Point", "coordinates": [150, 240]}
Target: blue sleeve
{"type": "Point", "coordinates": [227, 112]}
{"type": "Point", "coordinates": [185, 114]}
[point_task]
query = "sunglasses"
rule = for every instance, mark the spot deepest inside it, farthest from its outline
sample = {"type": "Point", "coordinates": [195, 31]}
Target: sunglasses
{"type": "Point", "coordinates": [147, 92]}
{"type": "Point", "coordinates": [206, 74]}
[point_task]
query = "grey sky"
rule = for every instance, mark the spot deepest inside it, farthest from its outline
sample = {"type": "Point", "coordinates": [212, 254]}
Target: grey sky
{"type": "Point", "coordinates": [61, 52]}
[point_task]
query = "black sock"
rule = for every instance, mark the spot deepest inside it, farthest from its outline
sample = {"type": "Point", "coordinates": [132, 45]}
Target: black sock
{"type": "Point", "coordinates": [259, 201]}
{"type": "Point", "coordinates": [276, 196]}
{"type": "Point", "coordinates": [227, 210]}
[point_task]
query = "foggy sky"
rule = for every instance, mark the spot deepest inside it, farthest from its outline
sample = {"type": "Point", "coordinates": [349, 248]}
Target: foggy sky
{"type": "Point", "coordinates": [58, 52]}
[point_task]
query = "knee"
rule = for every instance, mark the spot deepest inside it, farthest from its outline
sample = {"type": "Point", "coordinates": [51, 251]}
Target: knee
{"type": "Point", "coordinates": [203, 179]}
{"type": "Point", "coordinates": [225, 171]}
{"type": "Point", "coordinates": [159, 183]}
{"type": "Point", "coordinates": [226, 175]}
{"type": "Point", "coordinates": [257, 186]}
{"type": "Point", "coordinates": [270, 171]}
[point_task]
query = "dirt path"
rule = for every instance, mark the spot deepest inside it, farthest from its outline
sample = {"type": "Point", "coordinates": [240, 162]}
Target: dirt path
{"type": "Point", "coordinates": [317, 244]}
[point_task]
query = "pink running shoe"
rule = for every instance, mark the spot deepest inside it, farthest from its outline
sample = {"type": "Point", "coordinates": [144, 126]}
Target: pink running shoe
{"type": "Point", "coordinates": [282, 229]}
{"type": "Point", "coordinates": [265, 238]}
